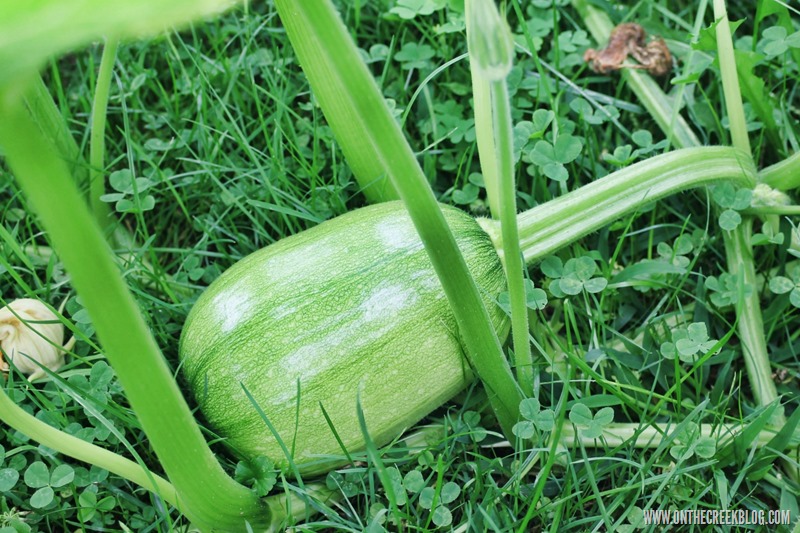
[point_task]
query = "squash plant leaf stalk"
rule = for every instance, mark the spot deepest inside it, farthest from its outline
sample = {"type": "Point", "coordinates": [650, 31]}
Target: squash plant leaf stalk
{"type": "Point", "coordinates": [676, 129]}
{"type": "Point", "coordinates": [491, 51]}
{"type": "Point", "coordinates": [738, 249]}
{"type": "Point", "coordinates": [210, 497]}
{"type": "Point", "coordinates": [306, 21]}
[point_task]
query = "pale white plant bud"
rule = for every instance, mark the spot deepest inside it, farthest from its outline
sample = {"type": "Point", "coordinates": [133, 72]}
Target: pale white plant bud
{"type": "Point", "coordinates": [489, 40]}
{"type": "Point", "coordinates": [31, 335]}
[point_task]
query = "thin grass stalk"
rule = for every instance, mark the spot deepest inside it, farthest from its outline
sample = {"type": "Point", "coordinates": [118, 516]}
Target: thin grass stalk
{"type": "Point", "coordinates": [97, 139]}
{"type": "Point", "coordinates": [210, 497]}
{"type": "Point", "coordinates": [738, 250]}
{"type": "Point", "coordinates": [318, 22]}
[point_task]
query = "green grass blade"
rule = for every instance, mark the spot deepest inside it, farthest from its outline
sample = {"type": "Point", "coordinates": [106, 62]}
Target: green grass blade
{"type": "Point", "coordinates": [31, 32]}
{"type": "Point", "coordinates": [363, 99]}
{"type": "Point", "coordinates": [97, 142]}
{"type": "Point", "coordinates": [209, 495]}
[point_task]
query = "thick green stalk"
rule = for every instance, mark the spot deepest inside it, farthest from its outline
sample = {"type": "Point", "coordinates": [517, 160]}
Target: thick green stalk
{"type": "Point", "coordinates": [515, 267]}
{"type": "Point", "coordinates": [48, 117]}
{"type": "Point", "coordinates": [97, 141]}
{"type": "Point", "coordinates": [750, 327]}
{"type": "Point", "coordinates": [318, 50]}
{"type": "Point", "coordinates": [784, 175]}
{"type": "Point", "coordinates": [210, 498]}
{"type": "Point", "coordinates": [366, 105]}
{"type": "Point", "coordinates": [653, 435]}
{"type": "Point", "coordinates": [730, 79]}
{"type": "Point", "coordinates": [549, 226]}
{"type": "Point", "coordinates": [484, 133]}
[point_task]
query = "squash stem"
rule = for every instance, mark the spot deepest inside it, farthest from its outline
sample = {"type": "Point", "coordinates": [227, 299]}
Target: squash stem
{"type": "Point", "coordinates": [738, 250]}
{"type": "Point", "coordinates": [210, 497]}
{"type": "Point", "coordinates": [552, 225]}
{"type": "Point", "coordinates": [515, 267]}
{"type": "Point", "coordinates": [64, 443]}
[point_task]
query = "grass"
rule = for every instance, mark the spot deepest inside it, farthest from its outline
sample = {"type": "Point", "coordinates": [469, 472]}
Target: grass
{"type": "Point", "coordinates": [234, 155]}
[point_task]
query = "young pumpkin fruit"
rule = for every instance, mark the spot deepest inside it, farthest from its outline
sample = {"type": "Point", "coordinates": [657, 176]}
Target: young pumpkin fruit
{"type": "Point", "coordinates": [352, 307]}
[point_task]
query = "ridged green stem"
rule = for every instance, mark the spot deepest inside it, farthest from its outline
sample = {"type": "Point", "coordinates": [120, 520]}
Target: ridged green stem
{"type": "Point", "coordinates": [651, 436]}
{"type": "Point", "coordinates": [317, 22]}
{"type": "Point", "coordinates": [784, 175]}
{"type": "Point", "coordinates": [549, 226]}
{"type": "Point", "coordinates": [210, 498]}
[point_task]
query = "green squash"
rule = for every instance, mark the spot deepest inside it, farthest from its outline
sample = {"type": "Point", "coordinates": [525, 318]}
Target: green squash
{"type": "Point", "coordinates": [350, 307]}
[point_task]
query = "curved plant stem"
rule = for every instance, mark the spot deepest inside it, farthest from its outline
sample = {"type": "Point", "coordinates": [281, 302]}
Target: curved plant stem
{"type": "Point", "coordinates": [331, 62]}
{"type": "Point", "coordinates": [547, 227]}
{"type": "Point", "coordinates": [319, 22]}
{"type": "Point", "coordinates": [210, 498]}
{"type": "Point", "coordinates": [97, 141]}
{"type": "Point", "coordinates": [19, 419]}
{"type": "Point", "coordinates": [784, 175]}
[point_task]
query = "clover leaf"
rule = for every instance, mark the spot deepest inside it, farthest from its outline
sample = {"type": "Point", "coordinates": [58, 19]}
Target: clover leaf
{"type": "Point", "coordinates": [782, 285]}
{"type": "Point", "coordinates": [576, 275]}
{"type": "Point", "coordinates": [551, 157]}
{"type": "Point", "coordinates": [259, 474]}
{"type": "Point", "coordinates": [591, 426]}
{"type": "Point", "coordinates": [535, 418]}
{"type": "Point", "coordinates": [690, 442]}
